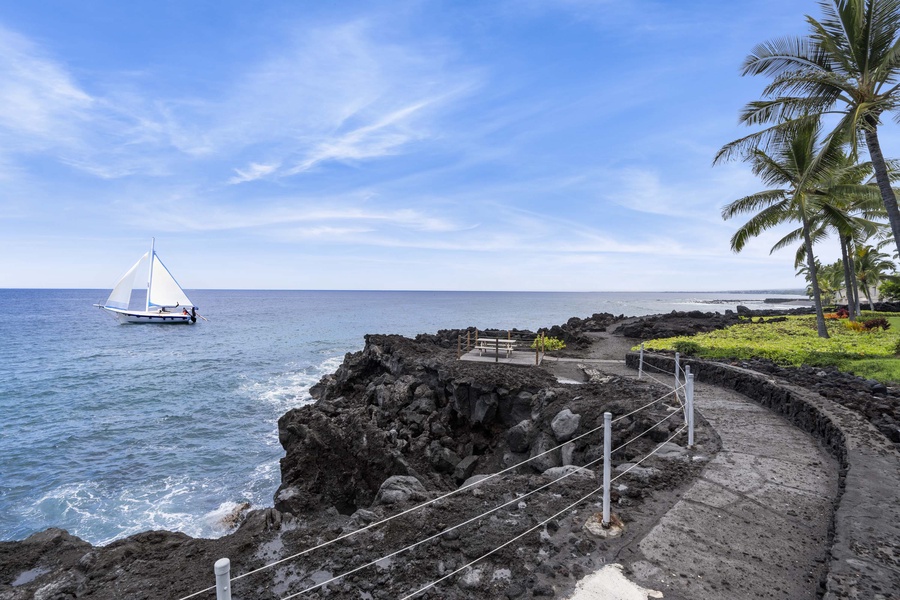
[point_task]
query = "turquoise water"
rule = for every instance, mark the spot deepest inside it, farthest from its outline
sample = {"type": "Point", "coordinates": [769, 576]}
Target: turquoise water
{"type": "Point", "coordinates": [109, 430]}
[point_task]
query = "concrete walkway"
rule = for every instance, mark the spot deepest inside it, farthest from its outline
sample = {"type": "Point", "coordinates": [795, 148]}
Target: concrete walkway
{"type": "Point", "coordinates": [754, 525]}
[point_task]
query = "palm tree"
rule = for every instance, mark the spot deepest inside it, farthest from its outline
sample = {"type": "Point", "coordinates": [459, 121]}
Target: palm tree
{"type": "Point", "coordinates": [854, 210]}
{"type": "Point", "coordinates": [829, 277]}
{"type": "Point", "coordinates": [798, 164]}
{"type": "Point", "coordinates": [871, 266]}
{"type": "Point", "coordinates": [849, 205]}
{"type": "Point", "coordinates": [849, 65]}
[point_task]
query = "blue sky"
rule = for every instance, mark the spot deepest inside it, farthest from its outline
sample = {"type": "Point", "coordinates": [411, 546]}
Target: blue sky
{"type": "Point", "coordinates": [508, 145]}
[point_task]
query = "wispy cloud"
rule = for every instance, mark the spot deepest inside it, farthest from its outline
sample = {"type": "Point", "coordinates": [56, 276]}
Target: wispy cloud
{"type": "Point", "coordinates": [253, 172]}
{"type": "Point", "coordinates": [339, 94]}
{"type": "Point", "coordinates": [330, 93]}
{"type": "Point", "coordinates": [369, 141]}
{"type": "Point", "coordinates": [184, 212]}
{"type": "Point", "coordinates": [43, 106]}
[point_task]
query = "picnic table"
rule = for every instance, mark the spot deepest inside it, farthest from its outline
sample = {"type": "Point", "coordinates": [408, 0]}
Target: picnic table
{"type": "Point", "coordinates": [495, 344]}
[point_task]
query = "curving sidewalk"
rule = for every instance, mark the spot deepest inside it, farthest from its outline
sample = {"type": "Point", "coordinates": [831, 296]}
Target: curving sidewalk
{"type": "Point", "coordinates": [756, 524]}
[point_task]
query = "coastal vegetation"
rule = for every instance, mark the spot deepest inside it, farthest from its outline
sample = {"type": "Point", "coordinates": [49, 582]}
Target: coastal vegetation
{"type": "Point", "coordinates": [868, 347]}
{"type": "Point", "coordinates": [547, 343]}
{"type": "Point", "coordinates": [828, 93]}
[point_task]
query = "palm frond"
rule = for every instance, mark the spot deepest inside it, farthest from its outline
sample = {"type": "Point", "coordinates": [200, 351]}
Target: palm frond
{"type": "Point", "coordinates": [789, 239]}
{"type": "Point", "coordinates": [780, 54]}
{"type": "Point", "coordinates": [760, 200]}
{"type": "Point", "coordinates": [758, 223]}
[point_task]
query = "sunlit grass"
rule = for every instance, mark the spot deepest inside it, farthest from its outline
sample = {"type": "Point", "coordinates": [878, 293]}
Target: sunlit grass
{"type": "Point", "coordinates": [794, 341]}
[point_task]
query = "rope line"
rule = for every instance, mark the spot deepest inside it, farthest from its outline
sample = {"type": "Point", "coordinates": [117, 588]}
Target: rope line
{"type": "Point", "coordinates": [659, 381]}
{"type": "Point", "coordinates": [640, 435]}
{"type": "Point", "coordinates": [439, 534]}
{"type": "Point", "coordinates": [491, 511]}
{"type": "Point", "coordinates": [659, 369]}
{"type": "Point", "coordinates": [681, 370]}
{"type": "Point", "coordinates": [648, 405]}
{"type": "Point", "coordinates": [654, 451]}
{"type": "Point", "coordinates": [538, 526]}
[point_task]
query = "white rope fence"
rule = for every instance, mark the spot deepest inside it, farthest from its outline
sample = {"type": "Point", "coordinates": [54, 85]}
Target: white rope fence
{"type": "Point", "coordinates": [538, 526]}
{"type": "Point", "coordinates": [515, 500]}
{"type": "Point", "coordinates": [222, 566]}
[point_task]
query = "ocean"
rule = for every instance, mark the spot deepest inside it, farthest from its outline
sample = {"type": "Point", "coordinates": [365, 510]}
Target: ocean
{"type": "Point", "coordinates": [110, 430]}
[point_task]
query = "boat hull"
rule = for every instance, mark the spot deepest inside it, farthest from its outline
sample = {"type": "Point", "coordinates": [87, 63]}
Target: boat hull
{"type": "Point", "coordinates": [154, 317]}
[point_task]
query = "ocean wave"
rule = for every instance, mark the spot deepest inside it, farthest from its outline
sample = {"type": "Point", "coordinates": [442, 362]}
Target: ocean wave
{"type": "Point", "coordinates": [101, 515]}
{"type": "Point", "coordinates": [290, 389]}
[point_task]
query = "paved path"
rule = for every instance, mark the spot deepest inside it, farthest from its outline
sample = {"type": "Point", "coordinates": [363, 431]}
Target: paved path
{"type": "Point", "coordinates": [754, 525]}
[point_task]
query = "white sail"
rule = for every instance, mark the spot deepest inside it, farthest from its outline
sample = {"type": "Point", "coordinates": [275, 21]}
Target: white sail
{"type": "Point", "coordinates": [164, 290]}
{"type": "Point", "coordinates": [121, 294]}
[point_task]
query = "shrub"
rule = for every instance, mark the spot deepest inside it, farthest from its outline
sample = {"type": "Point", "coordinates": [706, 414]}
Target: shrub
{"type": "Point", "coordinates": [890, 289]}
{"type": "Point", "coordinates": [876, 323]}
{"type": "Point", "coordinates": [855, 326]}
{"type": "Point", "coordinates": [549, 343]}
{"type": "Point", "coordinates": [686, 347]}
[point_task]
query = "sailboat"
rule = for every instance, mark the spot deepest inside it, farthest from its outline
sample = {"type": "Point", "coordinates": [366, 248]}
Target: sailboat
{"type": "Point", "coordinates": [166, 302]}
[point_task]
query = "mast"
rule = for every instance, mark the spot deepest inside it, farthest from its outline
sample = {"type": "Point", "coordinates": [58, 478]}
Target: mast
{"type": "Point", "coordinates": [150, 276]}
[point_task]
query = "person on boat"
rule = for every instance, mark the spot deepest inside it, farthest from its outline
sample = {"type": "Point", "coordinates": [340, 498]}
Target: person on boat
{"type": "Point", "coordinates": [185, 312]}
{"type": "Point", "coordinates": [193, 314]}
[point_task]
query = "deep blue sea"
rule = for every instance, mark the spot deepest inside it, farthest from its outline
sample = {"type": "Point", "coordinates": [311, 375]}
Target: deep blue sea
{"type": "Point", "coordinates": [109, 430]}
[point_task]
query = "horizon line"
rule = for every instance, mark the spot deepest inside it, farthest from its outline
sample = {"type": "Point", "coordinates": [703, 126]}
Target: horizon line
{"type": "Point", "coordinates": [784, 291]}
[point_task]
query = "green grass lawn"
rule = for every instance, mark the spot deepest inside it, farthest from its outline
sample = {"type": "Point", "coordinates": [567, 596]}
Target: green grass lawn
{"type": "Point", "coordinates": [870, 354]}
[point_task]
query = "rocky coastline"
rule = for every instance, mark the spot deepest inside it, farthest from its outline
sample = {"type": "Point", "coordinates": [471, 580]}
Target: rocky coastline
{"type": "Point", "coordinates": [400, 423]}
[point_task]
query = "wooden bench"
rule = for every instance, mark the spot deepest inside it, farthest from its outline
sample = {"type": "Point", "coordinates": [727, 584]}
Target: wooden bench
{"type": "Point", "coordinates": [504, 345]}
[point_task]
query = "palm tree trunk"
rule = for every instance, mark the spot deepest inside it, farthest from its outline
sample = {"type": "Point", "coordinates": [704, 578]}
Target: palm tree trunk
{"type": "Point", "coordinates": [868, 296]}
{"type": "Point", "coordinates": [851, 250]}
{"type": "Point", "coordinates": [848, 283]}
{"type": "Point", "coordinates": [814, 276]}
{"type": "Point", "coordinates": [884, 182]}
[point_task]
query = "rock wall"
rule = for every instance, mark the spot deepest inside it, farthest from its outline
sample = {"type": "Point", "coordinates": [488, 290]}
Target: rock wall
{"type": "Point", "coordinates": [865, 554]}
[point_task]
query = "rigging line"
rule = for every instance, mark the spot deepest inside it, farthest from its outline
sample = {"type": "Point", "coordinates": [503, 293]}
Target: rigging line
{"type": "Point", "coordinates": [437, 535]}
{"type": "Point", "coordinates": [539, 525]}
{"type": "Point", "coordinates": [412, 509]}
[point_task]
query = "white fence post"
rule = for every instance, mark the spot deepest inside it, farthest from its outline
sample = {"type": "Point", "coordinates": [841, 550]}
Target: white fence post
{"type": "Point", "coordinates": [677, 367]}
{"type": "Point", "coordinates": [641, 364]}
{"type": "Point", "coordinates": [684, 407]}
{"type": "Point", "coordinates": [689, 383]}
{"type": "Point", "coordinates": [223, 579]}
{"type": "Point", "coordinates": [607, 447]}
